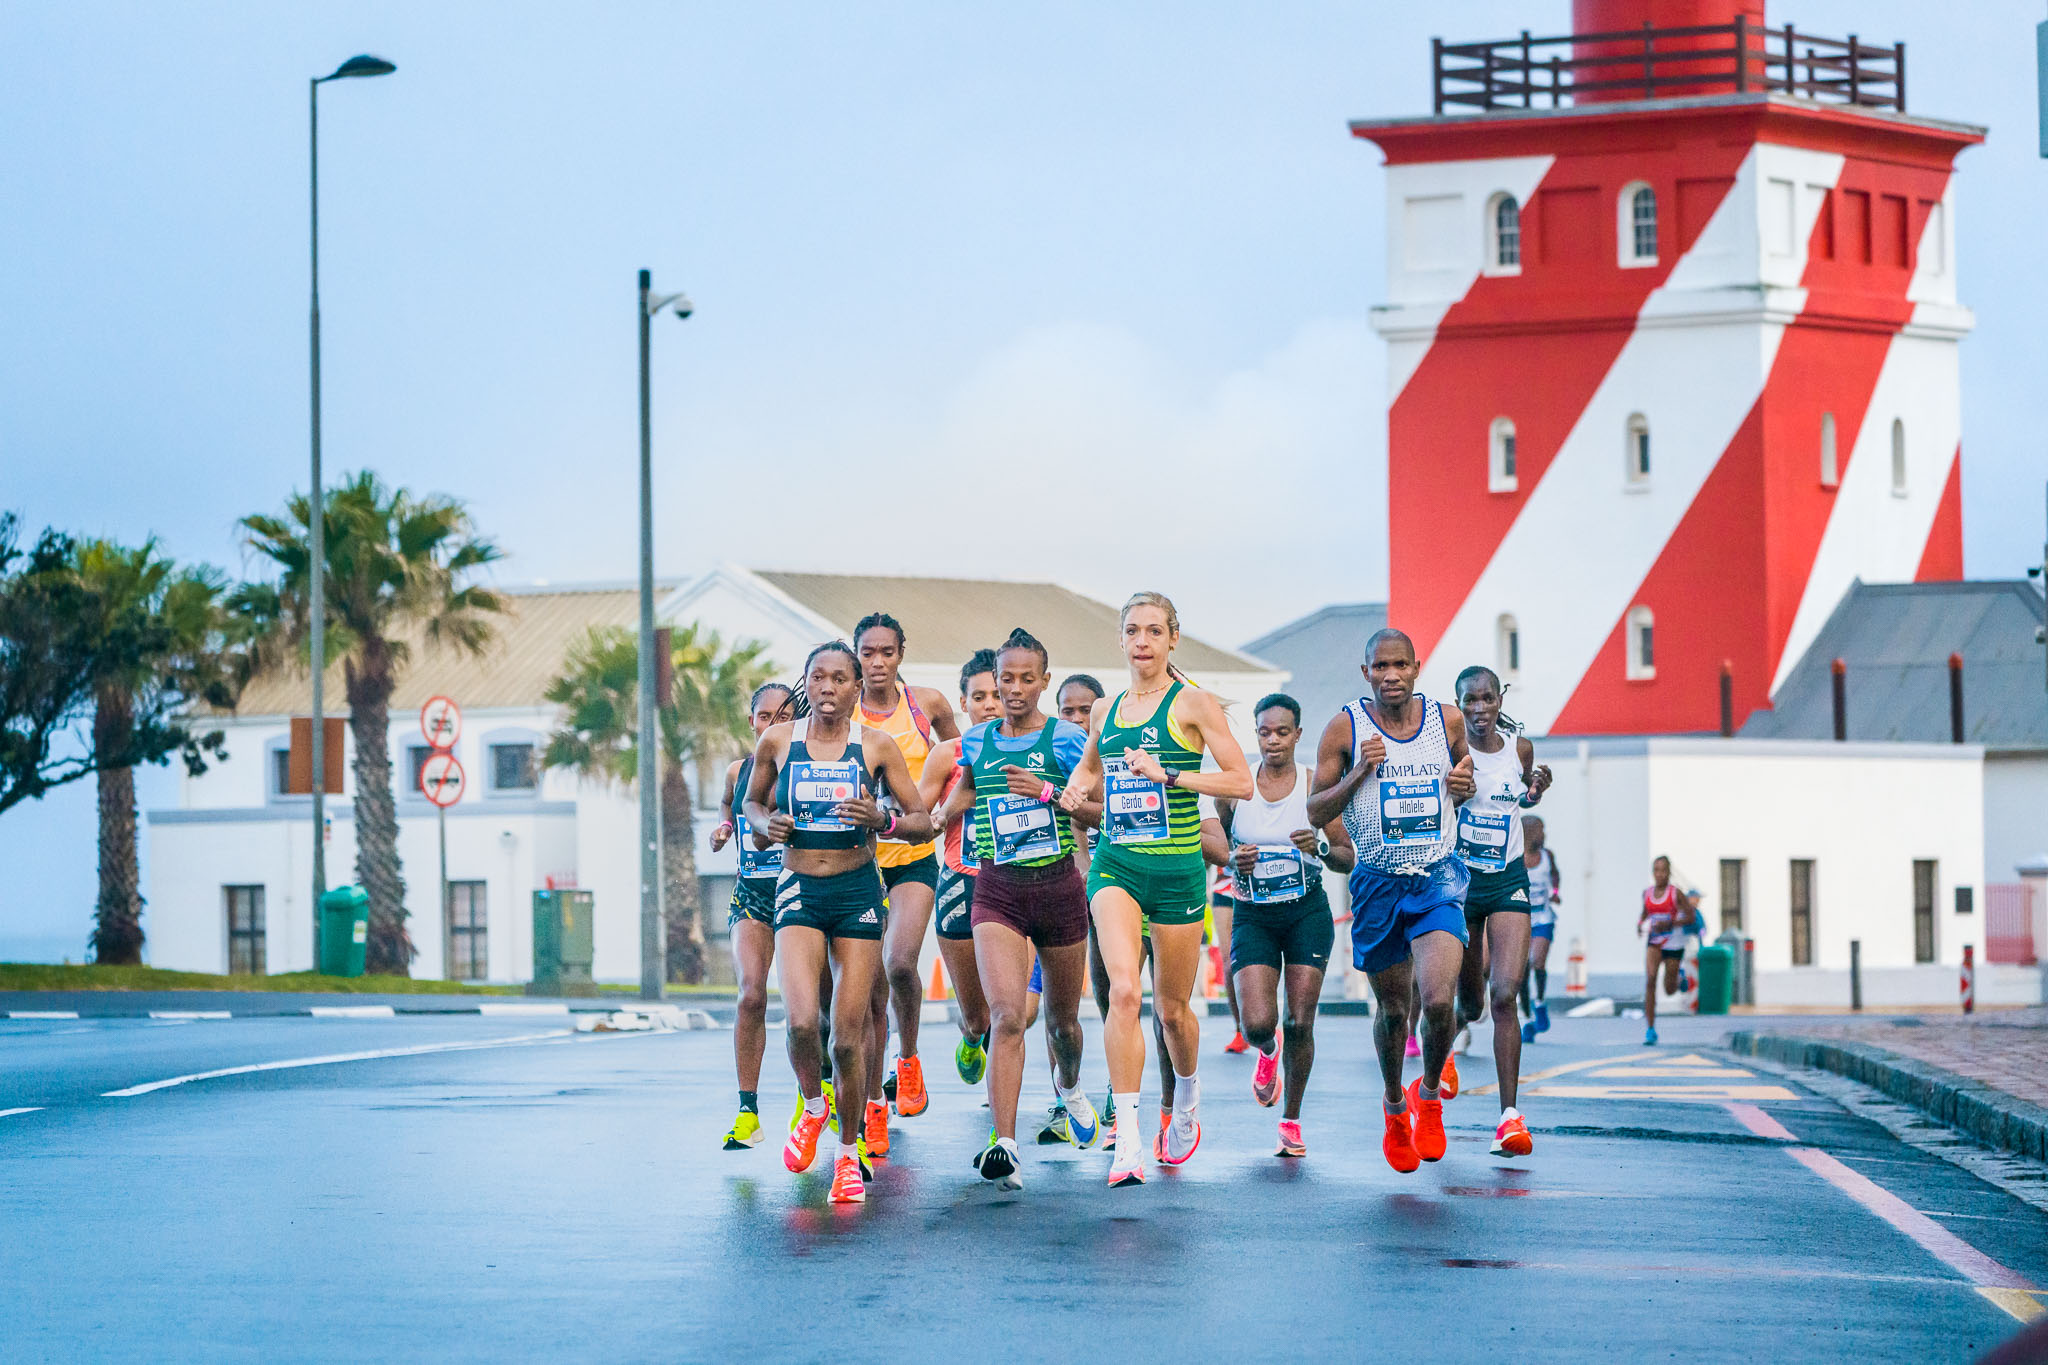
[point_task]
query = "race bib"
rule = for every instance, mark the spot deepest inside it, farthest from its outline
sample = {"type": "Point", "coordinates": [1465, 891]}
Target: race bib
{"type": "Point", "coordinates": [1279, 874]}
{"type": "Point", "coordinates": [1411, 812]}
{"type": "Point", "coordinates": [969, 850]}
{"type": "Point", "coordinates": [815, 788]}
{"type": "Point", "coordinates": [1021, 827]}
{"type": "Point", "coordinates": [1133, 807]}
{"type": "Point", "coordinates": [1483, 836]}
{"type": "Point", "coordinates": [758, 862]}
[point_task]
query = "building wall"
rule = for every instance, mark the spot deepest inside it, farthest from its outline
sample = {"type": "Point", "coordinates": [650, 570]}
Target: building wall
{"type": "Point", "coordinates": [2015, 813]}
{"type": "Point", "coordinates": [1863, 813]}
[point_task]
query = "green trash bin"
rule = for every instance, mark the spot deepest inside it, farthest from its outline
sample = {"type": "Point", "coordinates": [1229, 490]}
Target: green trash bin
{"type": "Point", "coordinates": [344, 930]}
{"type": "Point", "coordinates": [1717, 978]}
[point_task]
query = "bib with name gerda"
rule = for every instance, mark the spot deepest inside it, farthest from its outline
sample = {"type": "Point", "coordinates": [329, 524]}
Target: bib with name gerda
{"type": "Point", "coordinates": [1137, 812]}
{"type": "Point", "coordinates": [1396, 817]}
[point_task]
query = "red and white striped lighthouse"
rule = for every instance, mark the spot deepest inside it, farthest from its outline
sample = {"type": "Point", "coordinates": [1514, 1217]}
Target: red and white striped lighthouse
{"type": "Point", "coordinates": [1672, 336]}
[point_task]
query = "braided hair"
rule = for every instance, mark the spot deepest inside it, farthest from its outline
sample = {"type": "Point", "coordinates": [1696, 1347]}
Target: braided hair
{"type": "Point", "coordinates": [1021, 638]}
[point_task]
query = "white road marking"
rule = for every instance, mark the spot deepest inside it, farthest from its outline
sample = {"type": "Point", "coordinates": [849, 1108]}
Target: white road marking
{"type": "Point", "coordinates": [329, 1060]}
{"type": "Point", "coordinates": [522, 1009]}
{"type": "Point", "coordinates": [31, 1109]}
{"type": "Point", "coordinates": [353, 1012]}
{"type": "Point", "coordinates": [190, 1014]}
{"type": "Point", "coordinates": [42, 1014]}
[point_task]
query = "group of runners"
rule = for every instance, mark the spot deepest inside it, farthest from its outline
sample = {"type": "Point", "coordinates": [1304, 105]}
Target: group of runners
{"type": "Point", "coordinates": [1068, 840]}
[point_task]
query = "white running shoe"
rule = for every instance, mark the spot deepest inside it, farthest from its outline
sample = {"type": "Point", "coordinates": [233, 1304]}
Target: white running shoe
{"type": "Point", "coordinates": [1084, 1125]}
{"type": "Point", "coordinates": [1127, 1167]}
{"type": "Point", "coordinates": [1183, 1135]}
{"type": "Point", "coordinates": [1462, 1044]}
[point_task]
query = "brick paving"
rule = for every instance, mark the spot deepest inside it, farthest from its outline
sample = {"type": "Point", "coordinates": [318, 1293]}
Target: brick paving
{"type": "Point", "coordinates": [2005, 1049]}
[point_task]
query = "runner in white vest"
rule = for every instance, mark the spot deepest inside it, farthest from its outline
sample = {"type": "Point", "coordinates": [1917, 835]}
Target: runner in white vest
{"type": "Point", "coordinates": [1394, 765]}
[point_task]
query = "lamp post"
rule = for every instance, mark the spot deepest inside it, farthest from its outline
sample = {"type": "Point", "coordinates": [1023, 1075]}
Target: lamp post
{"type": "Point", "coordinates": [316, 587]}
{"type": "Point", "coordinates": [653, 948]}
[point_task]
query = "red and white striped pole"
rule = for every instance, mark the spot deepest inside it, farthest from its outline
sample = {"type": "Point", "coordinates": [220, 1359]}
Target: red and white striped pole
{"type": "Point", "coordinates": [1969, 978]}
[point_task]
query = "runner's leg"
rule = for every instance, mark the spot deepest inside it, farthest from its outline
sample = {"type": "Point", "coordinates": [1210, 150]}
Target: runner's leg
{"type": "Point", "coordinates": [1507, 935]}
{"type": "Point", "coordinates": [966, 978]}
{"type": "Point", "coordinates": [1003, 958]}
{"type": "Point", "coordinates": [753, 953]}
{"type": "Point", "coordinates": [1123, 954]}
{"type": "Point", "coordinates": [910, 916]}
{"type": "Point", "coordinates": [1437, 956]}
{"type": "Point", "coordinates": [1298, 1040]}
{"type": "Point", "coordinates": [802, 951]}
{"type": "Point", "coordinates": [1392, 988]}
{"type": "Point", "coordinates": [1472, 970]}
{"type": "Point", "coordinates": [1258, 998]}
{"type": "Point", "coordinates": [858, 964]}
{"type": "Point", "coordinates": [1654, 956]}
{"type": "Point", "coordinates": [1066, 971]}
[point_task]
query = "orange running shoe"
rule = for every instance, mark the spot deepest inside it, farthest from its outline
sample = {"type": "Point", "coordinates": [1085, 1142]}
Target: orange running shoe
{"type": "Point", "coordinates": [1159, 1138]}
{"type": "Point", "coordinates": [1399, 1144]}
{"type": "Point", "coordinates": [846, 1182]}
{"type": "Point", "coordinates": [911, 1096]}
{"type": "Point", "coordinates": [1447, 1084]}
{"type": "Point", "coordinates": [876, 1129]}
{"type": "Point", "coordinates": [1512, 1137]}
{"type": "Point", "coordinates": [802, 1148]}
{"type": "Point", "coordinates": [1430, 1142]}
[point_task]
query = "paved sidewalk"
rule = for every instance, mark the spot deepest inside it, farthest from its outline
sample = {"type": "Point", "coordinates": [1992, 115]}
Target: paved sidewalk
{"type": "Point", "coordinates": [1985, 1074]}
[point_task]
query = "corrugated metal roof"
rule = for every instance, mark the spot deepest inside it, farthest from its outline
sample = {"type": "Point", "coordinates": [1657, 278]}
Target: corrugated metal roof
{"type": "Point", "coordinates": [533, 637]}
{"type": "Point", "coordinates": [1322, 650]}
{"type": "Point", "coordinates": [1894, 640]}
{"type": "Point", "coordinates": [950, 618]}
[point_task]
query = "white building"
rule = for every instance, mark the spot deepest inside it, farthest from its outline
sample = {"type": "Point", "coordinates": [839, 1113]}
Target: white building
{"type": "Point", "coordinates": [230, 870]}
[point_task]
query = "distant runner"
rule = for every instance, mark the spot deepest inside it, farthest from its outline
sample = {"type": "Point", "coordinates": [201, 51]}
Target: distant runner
{"type": "Point", "coordinates": [1543, 881]}
{"type": "Point", "coordinates": [1663, 920]}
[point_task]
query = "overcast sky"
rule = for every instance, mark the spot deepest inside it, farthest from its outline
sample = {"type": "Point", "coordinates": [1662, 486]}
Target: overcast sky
{"type": "Point", "coordinates": [936, 250]}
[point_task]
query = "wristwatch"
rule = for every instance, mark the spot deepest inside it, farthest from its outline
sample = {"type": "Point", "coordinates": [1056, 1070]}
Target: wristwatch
{"type": "Point", "coordinates": [1322, 844]}
{"type": "Point", "coordinates": [1173, 777]}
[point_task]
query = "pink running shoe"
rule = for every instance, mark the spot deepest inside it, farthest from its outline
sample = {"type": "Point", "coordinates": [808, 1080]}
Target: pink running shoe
{"type": "Point", "coordinates": [1290, 1140]}
{"type": "Point", "coordinates": [1414, 1046]}
{"type": "Point", "coordinates": [1266, 1078]}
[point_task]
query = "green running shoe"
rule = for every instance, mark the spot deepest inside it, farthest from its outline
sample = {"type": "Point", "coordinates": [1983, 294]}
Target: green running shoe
{"type": "Point", "coordinates": [970, 1058]}
{"type": "Point", "coordinates": [1058, 1126]}
{"type": "Point", "coordinates": [746, 1131]}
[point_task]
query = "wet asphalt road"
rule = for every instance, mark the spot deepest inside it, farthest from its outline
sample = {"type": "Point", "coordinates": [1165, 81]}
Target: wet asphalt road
{"type": "Point", "coordinates": [563, 1196]}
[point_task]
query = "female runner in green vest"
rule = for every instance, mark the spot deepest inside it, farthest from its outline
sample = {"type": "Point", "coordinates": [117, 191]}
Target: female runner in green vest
{"type": "Point", "coordinates": [1144, 761]}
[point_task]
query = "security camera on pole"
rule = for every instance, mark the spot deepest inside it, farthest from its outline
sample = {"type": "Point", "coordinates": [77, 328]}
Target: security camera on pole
{"type": "Point", "coordinates": [441, 776]}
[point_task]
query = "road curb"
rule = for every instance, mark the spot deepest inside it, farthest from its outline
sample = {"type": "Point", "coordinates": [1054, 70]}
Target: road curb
{"type": "Point", "coordinates": [1980, 1111]}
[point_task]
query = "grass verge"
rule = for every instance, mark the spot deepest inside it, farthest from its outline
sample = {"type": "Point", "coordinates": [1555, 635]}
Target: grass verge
{"type": "Point", "coordinates": [45, 976]}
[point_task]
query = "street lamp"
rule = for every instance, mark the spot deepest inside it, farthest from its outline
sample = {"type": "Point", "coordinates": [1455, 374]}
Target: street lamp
{"type": "Point", "coordinates": [316, 588]}
{"type": "Point", "coordinates": [653, 948]}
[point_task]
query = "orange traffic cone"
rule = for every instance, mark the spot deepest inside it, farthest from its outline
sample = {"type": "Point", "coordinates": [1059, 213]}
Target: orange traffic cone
{"type": "Point", "coordinates": [937, 989]}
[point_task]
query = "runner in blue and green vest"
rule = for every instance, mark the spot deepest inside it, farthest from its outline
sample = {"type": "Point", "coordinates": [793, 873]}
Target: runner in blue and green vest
{"type": "Point", "coordinates": [1144, 760]}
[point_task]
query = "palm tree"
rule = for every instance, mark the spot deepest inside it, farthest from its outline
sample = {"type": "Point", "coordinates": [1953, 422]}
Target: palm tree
{"type": "Point", "coordinates": [706, 717]}
{"type": "Point", "coordinates": [176, 642]}
{"type": "Point", "coordinates": [397, 563]}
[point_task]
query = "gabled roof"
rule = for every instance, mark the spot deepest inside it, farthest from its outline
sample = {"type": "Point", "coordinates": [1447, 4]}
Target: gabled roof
{"type": "Point", "coordinates": [1894, 640]}
{"type": "Point", "coordinates": [1322, 650]}
{"type": "Point", "coordinates": [532, 639]}
{"type": "Point", "coordinates": [950, 618]}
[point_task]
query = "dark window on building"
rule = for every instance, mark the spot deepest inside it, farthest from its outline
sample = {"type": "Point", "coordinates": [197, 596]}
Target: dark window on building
{"type": "Point", "coordinates": [416, 760]}
{"type": "Point", "coordinates": [512, 768]}
{"type": "Point", "coordinates": [469, 957]}
{"type": "Point", "coordinates": [246, 952]}
{"type": "Point", "coordinates": [1966, 900]}
{"type": "Point", "coordinates": [1733, 873]}
{"type": "Point", "coordinates": [1923, 909]}
{"type": "Point", "coordinates": [281, 772]}
{"type": "Point", "coordinates": [1802, 912]}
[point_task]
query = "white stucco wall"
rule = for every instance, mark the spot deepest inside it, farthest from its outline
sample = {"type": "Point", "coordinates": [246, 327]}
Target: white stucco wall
{"type": "Point", "coordinates": [2015, 813]}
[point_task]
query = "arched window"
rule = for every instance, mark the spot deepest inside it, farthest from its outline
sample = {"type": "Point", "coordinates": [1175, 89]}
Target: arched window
{"type": "Point", "coordinates": [1636, 451]}
{"type": "Point", "coordinates": [1636, 229]}
{"type": "Point", "coordinates": [1640, 644]}
{"type": "Point", "coordinates": [1500, 457]}
{"type": "Point", "coordinates": [1503, 235]}
{"type": "Point", "coordinates": [1507, 648]}
{"type": "Point", "coordinates": [1830, 465]}
{"type": "Point", "coordinates": [1898, 458]}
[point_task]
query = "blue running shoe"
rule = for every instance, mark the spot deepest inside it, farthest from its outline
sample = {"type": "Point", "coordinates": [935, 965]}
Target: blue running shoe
{"type": "Point", "coordinates": [1649, 1037]}
{"type": "Point", "coordinates": [1542, 1017]}
{"type": "Point", "coordinates": [1084, 1125]}
{"type": "Point", "coordinates": [1529, 1032]}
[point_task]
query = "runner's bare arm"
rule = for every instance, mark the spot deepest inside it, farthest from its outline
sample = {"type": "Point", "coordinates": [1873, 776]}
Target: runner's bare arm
{"type": "Point", "coordinates": [1343, 854]}
{"type": "Point", "coordinates": [938, 771]}
{"type": "Point", "coordinates": [1084, 782]}
{"type": "Point", "coordinates": [1215, 843]}
{"type": "Point", "coordinates": [725, 830]}
{"type": "Point", "coordinates": [767, 824]}
{"type": "Point", "coordinates": [1200, 716]}
{"type": "Point", "coordinates": [1535, 776]}
{"type": "Point", "coordinates": [1458, 782]}
{"type": "Point", "coordinates": [1337, 778]}
{"type": "Point", "coordinates": [939, 711]}
{"type": "Point", "coordinates": [914, 825]}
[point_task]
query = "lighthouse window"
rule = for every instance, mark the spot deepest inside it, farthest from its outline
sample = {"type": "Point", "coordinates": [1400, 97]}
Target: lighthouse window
{"type": "Point", "coordinates": [1504, 233]}
{"type": "Point", "coordinates": [1640, 645]}
{"type": "Point", "coordinates": [1508, 651]}
{"type": "Point", "coordinates": [1830, 464]}
{"type": "Point", "coordinates": [1638, 226]}
{"type": "Point", "coordinates": [1500, 467]}
{"type": "Point", "coordinates": [1898, 458]}
{"type": "Point", "coordinates": [1637, 450]}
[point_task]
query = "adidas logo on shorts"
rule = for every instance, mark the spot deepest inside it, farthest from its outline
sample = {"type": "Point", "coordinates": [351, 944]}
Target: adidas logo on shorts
{"type": "Point", "coordinates": [1520, 895]}
{"type": "Point", "coordinates": [868, 917]}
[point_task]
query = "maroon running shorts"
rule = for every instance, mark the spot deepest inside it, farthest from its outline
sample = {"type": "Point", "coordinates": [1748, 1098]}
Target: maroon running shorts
{"type": "Point", "coordinates": [1048, 904]}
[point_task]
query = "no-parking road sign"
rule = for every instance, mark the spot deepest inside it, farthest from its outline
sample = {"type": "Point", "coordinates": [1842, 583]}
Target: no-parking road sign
{"type": "Point", "coordinates": [441, 722]}
{"type": "Point", "coordinates": [442, 779]}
